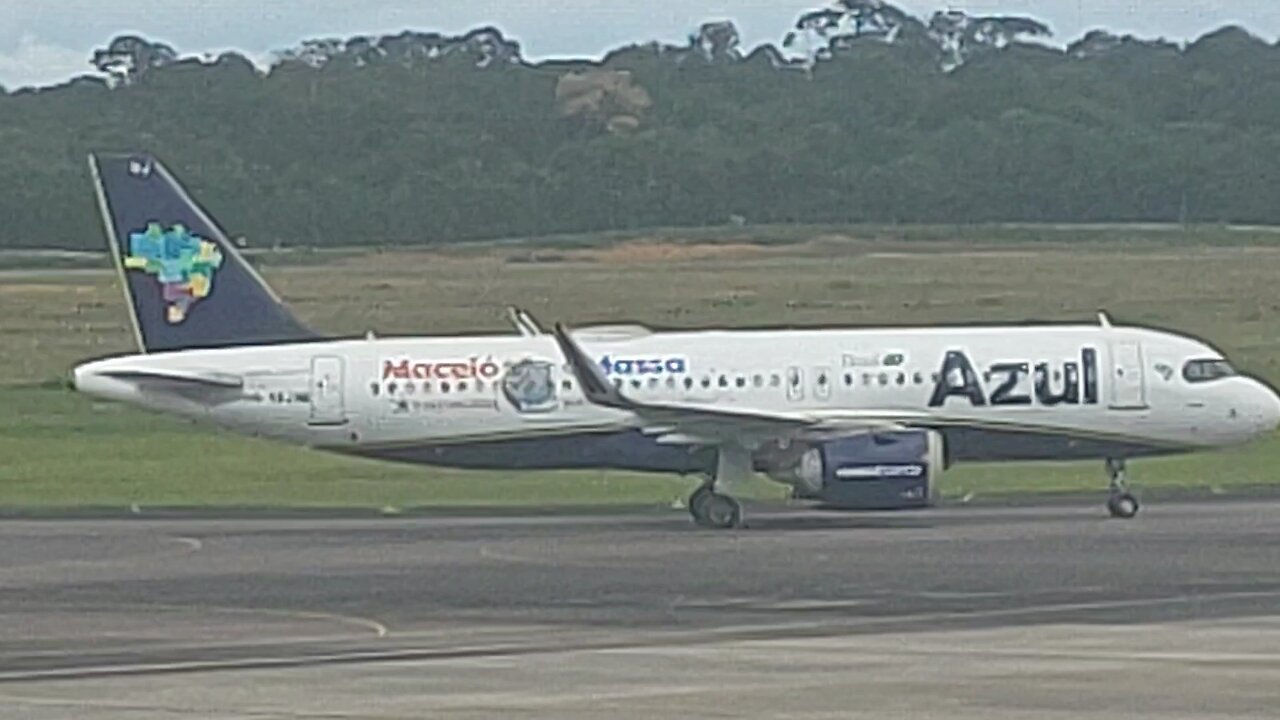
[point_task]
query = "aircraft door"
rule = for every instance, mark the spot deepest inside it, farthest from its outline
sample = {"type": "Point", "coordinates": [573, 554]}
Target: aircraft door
{"type": "Point", "coordinates": [328, 406]}
{"type": "Point", "coordinates": [795, 384]}
{"type": "Point", "coordinates": [1128, 386]}
{"type": "Point", "coordinates": [823, 378]}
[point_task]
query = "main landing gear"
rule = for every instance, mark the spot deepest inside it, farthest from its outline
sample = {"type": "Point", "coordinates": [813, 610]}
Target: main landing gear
{"type": "Point", "coordinates": [711, 505]}
{"type": "Point", "coordinates": [1121, 504]}
{"type": "Point", "coordinates": [712, 510]}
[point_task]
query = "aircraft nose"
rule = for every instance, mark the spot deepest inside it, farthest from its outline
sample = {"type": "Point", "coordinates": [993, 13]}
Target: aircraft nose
{"type": "Point", "coordinates": [1266, 408]}
{"type": "Point", "coordinates": [1271, 411]}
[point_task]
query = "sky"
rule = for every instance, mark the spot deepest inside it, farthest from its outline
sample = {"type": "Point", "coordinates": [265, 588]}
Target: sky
{"type": "Point", "coordinates": [44, 42]}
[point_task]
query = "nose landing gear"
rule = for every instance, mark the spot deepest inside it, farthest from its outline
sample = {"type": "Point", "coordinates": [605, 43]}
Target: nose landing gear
{"type": "Point", "coordinates": [1121, 503]}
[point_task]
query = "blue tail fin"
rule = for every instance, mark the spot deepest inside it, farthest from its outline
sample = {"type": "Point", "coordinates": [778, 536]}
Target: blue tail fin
{"type": "Point", "coordinates": [187, 285]}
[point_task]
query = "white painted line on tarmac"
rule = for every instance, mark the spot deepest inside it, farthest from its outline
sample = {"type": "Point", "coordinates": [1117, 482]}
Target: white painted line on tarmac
{"type": "Point", "coordinates": [193, 543]}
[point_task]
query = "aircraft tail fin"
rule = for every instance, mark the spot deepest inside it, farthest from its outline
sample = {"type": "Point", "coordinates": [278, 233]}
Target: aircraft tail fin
{"type": "Point", "coordinates": [187, 285]}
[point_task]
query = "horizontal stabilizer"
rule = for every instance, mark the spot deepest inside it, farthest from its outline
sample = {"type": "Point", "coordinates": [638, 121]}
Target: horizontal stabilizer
{"type": "Point", "coordinates": [182, 377]}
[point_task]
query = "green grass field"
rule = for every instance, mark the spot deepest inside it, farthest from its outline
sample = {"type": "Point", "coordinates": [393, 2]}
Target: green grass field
{"type": "Point", "coordinates": [58, 449]}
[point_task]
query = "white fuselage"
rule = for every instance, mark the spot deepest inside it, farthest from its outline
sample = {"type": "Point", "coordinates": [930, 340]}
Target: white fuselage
{"type": "Point", "coordinates": [1118, 384]}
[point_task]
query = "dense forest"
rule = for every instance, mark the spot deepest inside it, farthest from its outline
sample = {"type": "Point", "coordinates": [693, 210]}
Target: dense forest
{"type": "Point", "coordinates": [861, 113]}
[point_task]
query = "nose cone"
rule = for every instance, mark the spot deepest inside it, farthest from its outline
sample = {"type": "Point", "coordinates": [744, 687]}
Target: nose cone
{"type": "Point", "coordinates": [1264, 408]}
{"type": "Point", "coordinates": [1270, 410]}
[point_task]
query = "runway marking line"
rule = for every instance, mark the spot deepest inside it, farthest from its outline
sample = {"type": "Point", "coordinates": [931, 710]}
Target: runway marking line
{"type": "Point", "coordinates": [193, 543]}
{"type": "Point", "coordinates": [743, 634]}
{"type": "Point", "coordinates": [1270, 659]}
{"type": "Point", "coordinates": [371, 625]}
{"type": "Point", "coordinates": [1003, 612]}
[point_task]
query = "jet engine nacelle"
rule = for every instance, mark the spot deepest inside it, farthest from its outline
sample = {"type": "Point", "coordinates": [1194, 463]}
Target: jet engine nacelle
{"type": "Point", "coordinates": [881, 471]}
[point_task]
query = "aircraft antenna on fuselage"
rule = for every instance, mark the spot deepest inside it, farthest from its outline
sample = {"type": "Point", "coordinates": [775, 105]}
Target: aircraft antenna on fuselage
{"type": "Point", "coordinates": [1103, 319]}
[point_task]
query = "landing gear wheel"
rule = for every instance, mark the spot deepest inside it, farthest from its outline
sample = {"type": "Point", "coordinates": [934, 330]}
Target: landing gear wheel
{"type": "Point", "coordinates": [721, 512]}
{"type": "Point", "coordinates": [698, 502]}
{"type": "Point", "coordinates": [712, 505]}
{"type": "Point", "coordinates": [712, 510]}
{"type": "Point", "coordinates": [1123, 506]}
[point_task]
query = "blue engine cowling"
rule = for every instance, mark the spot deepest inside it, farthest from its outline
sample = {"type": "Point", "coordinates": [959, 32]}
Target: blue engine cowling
{"type": "Point", "coordinates": [882, 471]}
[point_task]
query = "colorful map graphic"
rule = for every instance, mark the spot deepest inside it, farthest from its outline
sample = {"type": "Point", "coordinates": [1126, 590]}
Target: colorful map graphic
{"type": "Point", "coordinates": [184, 264]}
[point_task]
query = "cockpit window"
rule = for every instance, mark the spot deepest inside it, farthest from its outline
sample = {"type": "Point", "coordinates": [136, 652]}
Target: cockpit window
{"type": "Point", "coordinates": [1198, 371]}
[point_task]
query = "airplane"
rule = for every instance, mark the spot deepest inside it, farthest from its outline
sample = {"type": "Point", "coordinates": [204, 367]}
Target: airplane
{"type": "Point", "coordinates": [854, 418]}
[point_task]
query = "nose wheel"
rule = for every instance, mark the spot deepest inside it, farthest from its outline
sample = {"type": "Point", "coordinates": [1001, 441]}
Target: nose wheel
{"type": "Point", "coordinates": [1121, 504]}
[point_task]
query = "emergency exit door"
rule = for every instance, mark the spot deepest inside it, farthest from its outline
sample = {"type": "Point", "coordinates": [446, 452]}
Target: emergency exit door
{"type": "Point", "coordinates": [1128, 386]}
{"type": "Point", "coordinates": [327, 404]}
{"type": "Point", "coordinates": [795, 384]}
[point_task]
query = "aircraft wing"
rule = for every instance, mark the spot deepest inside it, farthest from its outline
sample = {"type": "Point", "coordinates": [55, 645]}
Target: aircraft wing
{"type": "Point", "coordinates": [695, 423]}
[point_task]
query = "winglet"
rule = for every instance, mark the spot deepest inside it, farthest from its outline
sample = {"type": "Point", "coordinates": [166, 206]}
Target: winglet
{"type": "Point", "coordinates": [594, 383]}
{"type": "Point", "coordinates": [525, 324]}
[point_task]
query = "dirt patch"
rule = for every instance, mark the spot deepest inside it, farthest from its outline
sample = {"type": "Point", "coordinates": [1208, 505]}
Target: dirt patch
{"type": "Point", "coordinates": [642, 251]}
{"type": "Point", "coordinates": [42, 289]}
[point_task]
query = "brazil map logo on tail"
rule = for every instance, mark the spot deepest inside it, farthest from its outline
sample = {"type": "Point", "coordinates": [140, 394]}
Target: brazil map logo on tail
{"type": "Point", "coordinates": [184, 264]}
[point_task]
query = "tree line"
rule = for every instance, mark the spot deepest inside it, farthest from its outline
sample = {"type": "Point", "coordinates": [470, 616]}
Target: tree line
{"type": "Point", "coordinates": [862, 113]}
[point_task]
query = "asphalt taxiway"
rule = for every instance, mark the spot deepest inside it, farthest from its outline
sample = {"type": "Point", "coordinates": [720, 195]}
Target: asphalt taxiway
{"type": "Point", "coordinates": [953, 613]}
